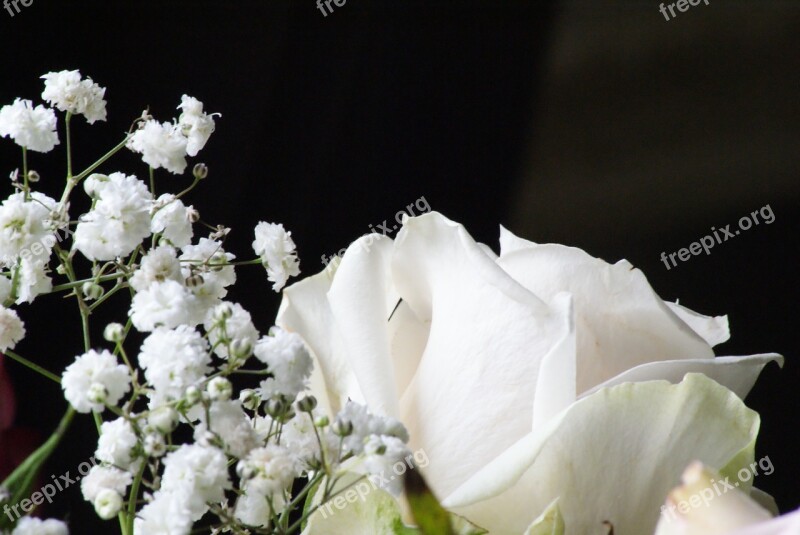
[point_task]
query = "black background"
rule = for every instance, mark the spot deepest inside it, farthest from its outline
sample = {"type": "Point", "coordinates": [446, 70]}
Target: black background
{"type": "Point", "coordinates": [331, 124]}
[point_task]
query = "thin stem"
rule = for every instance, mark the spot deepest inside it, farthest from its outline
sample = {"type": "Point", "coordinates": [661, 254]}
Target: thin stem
{"type": "Point", "coordinates": [77, 283]}
{"type": "Point", "coordinates": [102, 160]}
{"type": "Point", "coordinates": [69, 145]}
{"type": "Point", "coordinates": [132, 499]}
{"type": "Point", "coordinates": [152, 182]}
{"type": "Point", "coordinates": [25, 186]}
{"type": "Point", "coordinates": [33, 366]}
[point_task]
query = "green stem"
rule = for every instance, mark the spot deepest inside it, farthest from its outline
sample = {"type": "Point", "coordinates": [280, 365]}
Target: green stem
{"type": "Point", "coordinates": [152, 182]}
{"type": "Point", "coordinates": [69, 146]}
{"type": "Point", "coordinates": [77, 283]}
{"type": "Point", "coordinates": [132, 497]}
{"type": "Point", "coordinates": [25, 185]}
{"type": "Point", "coordinates": [35, 367]}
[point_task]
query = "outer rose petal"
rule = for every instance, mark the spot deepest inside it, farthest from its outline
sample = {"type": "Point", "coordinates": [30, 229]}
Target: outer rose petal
{"type": "Point", "coordinates": [696, 508]}
{"type": "Point", "coordinates": [736, 373]}
{"type": "Point", "coordinates": [612, 456]}
{"type": "Point", "coordinates": [788, 524]}
{"type": "Point", "coordinates": [620, 321]}
{"type": "Point", "coordinates": [487, 334]}
{"type": "Point", "coordinates": [713, 329]}
{"type": "Point", "coordinates": [305, 310]}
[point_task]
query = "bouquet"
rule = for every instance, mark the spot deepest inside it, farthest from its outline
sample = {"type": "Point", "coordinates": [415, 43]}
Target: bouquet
{"type": "Point", "coordinates": [422, 385]}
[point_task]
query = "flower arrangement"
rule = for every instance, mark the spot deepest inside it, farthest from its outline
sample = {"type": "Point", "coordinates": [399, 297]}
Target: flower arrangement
{"type": "Point", "coordinates": [420, 385]}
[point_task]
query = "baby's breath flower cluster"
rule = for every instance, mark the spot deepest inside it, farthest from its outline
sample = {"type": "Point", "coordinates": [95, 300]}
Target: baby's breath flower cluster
{"type": "Point", "coordinates": [180, 441]}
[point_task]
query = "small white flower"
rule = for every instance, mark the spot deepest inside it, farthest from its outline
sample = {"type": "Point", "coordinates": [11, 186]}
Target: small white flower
{"type": "Point", "coordinates": [287, 359]}
{"type": "Point", "coordinates": [159, 264]}
{"type": "Point", "coordinates": [195, 124]}
{"type": "Point", "coordinates": [33, 280]}
{"type": "Point", "coordinates": [67, 92]}
{"type": "Point", "coordinates": [381, 454]}
{"type": "Point", "coordinates": [198, 474]}
{"type": "Point", "coordinates": [29, 525]}
{"type": "Point", "coordinates": [238, 325]}
{"type": "Point", "coordinates": [162, 304]}
{"type": "Point", "coordinates": [208, 259]}
{"type": "Point", "coordinates": [173, 360]}
{"type": "Point", "coordinates": [277, 251]}
{"type": "Point", "coordinates": [167, 513]}
{"type": "Point", "coordinates": [94, 368]}
{"type": "Point", "coordinates": [172, 220]}
{"type": "Point", "coordinates": [161, 145]}
{"type": "Point", "coordinates": [116, 443]}
{"type": "Point", "coordinates": [32, 128]}
{"type": "Point", "coordinates": [269, 474]}
{"type": "Point", "coordinates": [366, 424]}
{"type": "Point", "coordinates": [25, 227]}
{"type": "Point", "coordinates": [231, 424]}
{"type": "Point", "coordinates": [119, 221]}
{"type": "Point", "coordinates": [12, 330]}
{"type": "Point", "coordinates": [102, 478]}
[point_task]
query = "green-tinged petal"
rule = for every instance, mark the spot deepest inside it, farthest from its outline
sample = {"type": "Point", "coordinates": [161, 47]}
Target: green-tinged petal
{"type": "Point", "coordinates": [735, 373]}
{"type": "Point", "coordinates": [619, 320]}
{"type": "Point", "coordinates": [361, 299]}
{"type": "Point", "coordinates": [704, 505]}
{"type": "Point", "coordinates": [365, 509]}
{"type": "Point", "coordinates": [612, 456]}
{"type": "Point", "coordinates": [549, 522]}
{"type": "Point", "coordinates": [487, 334]}
{"type": "Point", "coordinates": [305, 310]}
{"type": "Point", "coordinates": [361, 509]}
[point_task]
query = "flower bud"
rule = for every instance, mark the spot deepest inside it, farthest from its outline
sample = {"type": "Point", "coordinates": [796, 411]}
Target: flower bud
{"type": "Point", "coordinates": [321, 421]}
{"type": "Point", "coordinates": [218, 261]}
{"type": "Point", "coordinates": [193, 281]}
{"type": "Point", "coordinates": [200, 171]}
{"type": "Point", "coordinates": [193, 395]}
{"type": "Point", "coordinates": [342, 427]}
{"type": "Point", "coordinates": [107, 504]}
{"type": "Point", "coordinates": [307, 404]}
{"type": "Point", "coordinates": [193, 215]}
{"type": "Point", "coordinates": [97, 393]}
{"type": "Point", "coordinates": [33, 176]}
{"type": "Point", "coordinates": [241, 349]}
{"type": "Point", "coordinates": [114, 332]}
{"type": "Point", "coordinates": [222, 312]}
{"type": "Point", "coordinates": [92, 290]}
{"type": "Point", "coordinates": [275, 407]}
{"type": "Point", "coordinates": [219, 389]}
{"type": "Point", "coordinates": [249, 399]}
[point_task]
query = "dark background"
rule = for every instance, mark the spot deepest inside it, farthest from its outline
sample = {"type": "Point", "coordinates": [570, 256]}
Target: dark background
{"type": "Point", "coordinates": [595, 124]}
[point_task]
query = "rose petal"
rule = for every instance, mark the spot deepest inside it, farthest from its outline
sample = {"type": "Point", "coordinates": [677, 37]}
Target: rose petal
{"type": "Point", "coordinates": [713, 329]}
{"type": "Point", "coordinates": [612, 456]}
{"type": "Point", "coordinates": [620, 321]}
{"type": "Point", "coordinates": [487, 334]}
{"type": "Point", "coordinates": [735, 373]}
{"type": "Point", "coordinates": [361, 299]}
{"type": "Point", "coordinates": [305, 310]}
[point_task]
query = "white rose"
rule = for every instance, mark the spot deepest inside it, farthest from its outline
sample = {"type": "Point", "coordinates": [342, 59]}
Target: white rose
{"type": "Point", "coordinates": [498, 368]}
